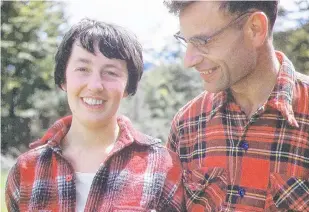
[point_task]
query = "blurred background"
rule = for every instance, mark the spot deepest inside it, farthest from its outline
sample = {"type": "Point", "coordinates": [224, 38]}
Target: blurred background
{"type": "Point", "coordinates": [31, 31]}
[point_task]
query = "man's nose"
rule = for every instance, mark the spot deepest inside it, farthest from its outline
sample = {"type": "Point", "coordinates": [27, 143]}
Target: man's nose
{"type": "Point", "coordinates": [192, 57]}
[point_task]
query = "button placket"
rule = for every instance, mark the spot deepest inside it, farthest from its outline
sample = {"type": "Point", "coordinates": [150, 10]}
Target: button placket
{"type": "Point", "coordinates": [242, 142]}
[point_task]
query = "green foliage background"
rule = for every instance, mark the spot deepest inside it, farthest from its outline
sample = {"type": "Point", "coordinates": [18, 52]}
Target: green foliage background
{"type": "Point", "coordinates": [295, 44]}
{"type": "Point", "coordinates": [30, 32]}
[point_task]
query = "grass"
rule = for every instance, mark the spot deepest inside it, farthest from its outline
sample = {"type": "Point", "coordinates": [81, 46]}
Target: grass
{"type": "Point", "coordinates": [3, 181]}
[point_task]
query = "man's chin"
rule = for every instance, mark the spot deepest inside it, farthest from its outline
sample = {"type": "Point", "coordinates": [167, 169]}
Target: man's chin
{"type": "Point", "coordinates": [212, 88]}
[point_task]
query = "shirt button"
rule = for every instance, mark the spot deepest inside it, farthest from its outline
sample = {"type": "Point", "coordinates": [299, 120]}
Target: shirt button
{"type": "Point", "coordinates": [68, 178]}
{"type": "Point", "coordinates": [244, 145]}
{"type": "Point", "coordinates": [241, 192]}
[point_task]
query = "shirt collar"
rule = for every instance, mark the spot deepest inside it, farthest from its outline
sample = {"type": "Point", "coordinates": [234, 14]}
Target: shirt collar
{"type": "Point", "coordinates": [127, 134]}
{"type": "Point", "coordinates": [281, 97]}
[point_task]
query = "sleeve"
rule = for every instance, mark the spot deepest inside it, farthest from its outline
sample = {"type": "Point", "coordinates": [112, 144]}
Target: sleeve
{"type": "Point", "coordinates": [12, 189]}
{"type": "Point", "coordinates": [172, 196]}
{"type": "Point", "coordinates": [172, 142]}
{"type": "Point", "coordinates": [290, 192]}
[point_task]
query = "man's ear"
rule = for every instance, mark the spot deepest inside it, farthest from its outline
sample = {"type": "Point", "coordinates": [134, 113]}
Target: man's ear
{"type": "Point", "coordinates": [257, 28]}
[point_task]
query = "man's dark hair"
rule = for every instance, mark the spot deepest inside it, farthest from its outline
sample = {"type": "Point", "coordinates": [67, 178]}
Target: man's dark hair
{"type": "Point", "coordinates": [270, 8]}
{"type": "Point", "coordinates": [114, 42]}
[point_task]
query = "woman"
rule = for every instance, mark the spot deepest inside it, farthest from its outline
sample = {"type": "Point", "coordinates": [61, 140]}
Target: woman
{"type": "Point", "coordinates": [94, 160]}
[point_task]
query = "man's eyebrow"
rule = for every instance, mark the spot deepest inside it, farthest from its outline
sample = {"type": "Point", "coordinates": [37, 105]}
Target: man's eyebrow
{"type": "Point", "coordinates": [201, 36]}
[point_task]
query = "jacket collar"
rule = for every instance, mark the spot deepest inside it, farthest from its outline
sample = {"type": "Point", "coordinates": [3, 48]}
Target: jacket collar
{"type": "Point", "coordinates": [127, 134]}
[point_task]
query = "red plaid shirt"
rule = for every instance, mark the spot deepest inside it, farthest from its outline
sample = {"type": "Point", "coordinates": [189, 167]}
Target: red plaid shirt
{"type": "Point", "coordinates": [138, 175]}
{"type": "Point", "coordinates": [235, 164]}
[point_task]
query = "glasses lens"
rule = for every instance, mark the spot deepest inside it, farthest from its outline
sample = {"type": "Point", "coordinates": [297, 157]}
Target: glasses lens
{"type": "Point", "coordinates": [183, 42]}
{"type": "Point", "coordinates": [181, 39]}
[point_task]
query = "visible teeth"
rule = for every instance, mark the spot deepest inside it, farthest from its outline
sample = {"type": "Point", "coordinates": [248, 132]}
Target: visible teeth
{"type": "Point", "coordinates": [91, 101]}
{"type": "Point", "coordinates": [209, 71]}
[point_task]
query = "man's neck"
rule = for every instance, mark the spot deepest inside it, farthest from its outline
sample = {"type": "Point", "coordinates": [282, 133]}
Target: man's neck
{"type": "Point", "coordinates": [254, 90]}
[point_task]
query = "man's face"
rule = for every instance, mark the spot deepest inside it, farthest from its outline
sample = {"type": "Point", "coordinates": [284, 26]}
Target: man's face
{"type": "Point", "coordinates": [95, 86]}
{"type": "Point", "coordinates": [227, 59]}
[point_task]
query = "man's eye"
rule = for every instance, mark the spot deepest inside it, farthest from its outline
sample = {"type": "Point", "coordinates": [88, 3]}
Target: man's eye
{"type": "Point", "coordinates": [198, 42]}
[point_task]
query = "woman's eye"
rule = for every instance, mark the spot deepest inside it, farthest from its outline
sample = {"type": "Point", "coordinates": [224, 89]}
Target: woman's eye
{"type": "Point", "coordinates": [82, 69]}
{"type": "Point", "coordinates": [111, 73]}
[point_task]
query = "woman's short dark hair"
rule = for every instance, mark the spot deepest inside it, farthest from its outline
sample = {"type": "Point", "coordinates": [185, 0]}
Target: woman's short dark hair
{"type": "Point", "coordinates": [114, 42]}
{"type": "Point", "coordinates": [270, 8]}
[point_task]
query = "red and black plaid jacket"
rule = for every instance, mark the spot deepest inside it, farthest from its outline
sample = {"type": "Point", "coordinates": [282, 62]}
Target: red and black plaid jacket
{"type": "Point", "coordinates": [235, 164]}
{"type": "Point", "coordinates": [138, 175]}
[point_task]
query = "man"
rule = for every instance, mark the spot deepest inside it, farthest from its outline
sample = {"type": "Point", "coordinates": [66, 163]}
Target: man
{"type": "Point", "coordinates": [244, 142]}
{"type": "Point", "coordinates": [94, 160]}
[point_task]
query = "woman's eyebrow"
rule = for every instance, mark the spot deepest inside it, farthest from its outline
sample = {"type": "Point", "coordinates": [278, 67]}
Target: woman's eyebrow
{"type": "Point", "coordinates": [83, 60]}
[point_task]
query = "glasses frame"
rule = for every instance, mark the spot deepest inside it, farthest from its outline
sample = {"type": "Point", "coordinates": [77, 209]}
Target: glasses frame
{"type": "Point", "coordinates": [202, 40]}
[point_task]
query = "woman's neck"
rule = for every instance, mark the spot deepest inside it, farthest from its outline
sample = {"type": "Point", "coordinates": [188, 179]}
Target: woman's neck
{"type": "Point", "coordinates": [87, 148]}
{"type": "Point", "coordinates": [82, 136]}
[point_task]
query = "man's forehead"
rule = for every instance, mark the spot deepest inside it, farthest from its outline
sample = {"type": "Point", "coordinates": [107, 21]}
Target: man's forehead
{"type": "Point", "coordinates": [204, 17]}
{"type": "Point", "coordinates": [204, 11]}
{"type": "Point", "coordinates": [201, 5]}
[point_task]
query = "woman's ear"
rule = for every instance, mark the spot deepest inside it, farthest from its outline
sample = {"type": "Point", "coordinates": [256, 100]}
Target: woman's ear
{"type": "Point", "coordinates": [64, 87]}
{"type": "Point", "coordinates": [125, 94]}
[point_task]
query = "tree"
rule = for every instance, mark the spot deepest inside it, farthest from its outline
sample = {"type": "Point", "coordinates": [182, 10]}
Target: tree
{"type": "Point", "coordinates": [295, 42]}
{"type": "Point", "coordinates": [29, 32]}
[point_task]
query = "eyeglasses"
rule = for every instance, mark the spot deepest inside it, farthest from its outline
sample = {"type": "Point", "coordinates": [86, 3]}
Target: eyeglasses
{"type": "Point", "coordinates": [199, 41]}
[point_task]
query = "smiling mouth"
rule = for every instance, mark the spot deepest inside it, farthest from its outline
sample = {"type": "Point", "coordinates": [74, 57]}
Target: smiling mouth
{"type": "Point", "coordinates": [93, 101]}
{"type": "Point", "coordinates": [209, 71]}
